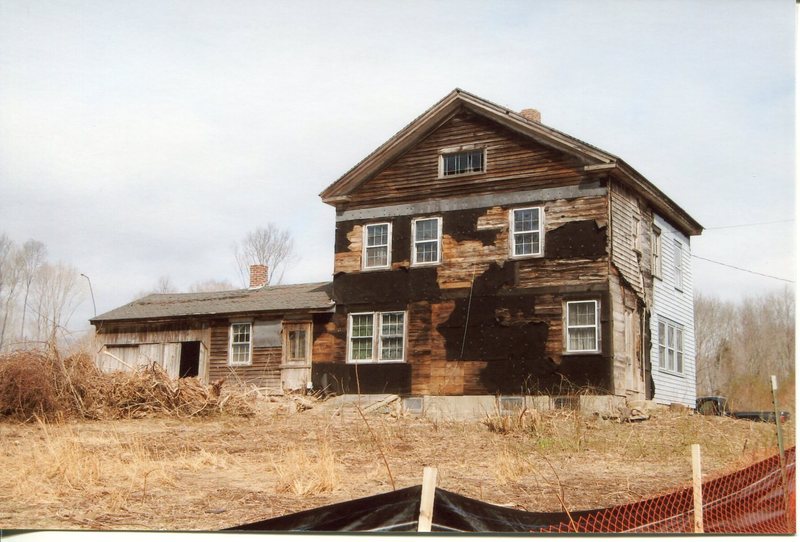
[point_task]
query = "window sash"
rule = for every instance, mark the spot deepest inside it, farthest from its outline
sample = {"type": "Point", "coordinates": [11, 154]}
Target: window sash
{"type": "Point", "coordinates": [427, 237]}
{"type": "Point", "coordinates": [377, 245]}
{"type": "Point", "coordinates": [297, 345]}
{"type": "Point", "coordinates": [670, 347]}
{"type": "Point", "coordinates": [655, 248]}
{"type": "Point", "coordinates": [459, 163]}
{"type": "Point", "coordinates": [526, 231]}
{"type": "Point", "coordinates": [583, 326]}
{"type": "Point", "coordinates": [377, 336]}
{"type": "Point", "coordinates": [240, 344]}
{"type": "Point", "coordinates": [677, 262]}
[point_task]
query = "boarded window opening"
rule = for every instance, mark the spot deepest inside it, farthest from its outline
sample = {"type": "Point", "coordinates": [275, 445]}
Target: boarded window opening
{"type": "Point", "coordinates": [190, 359]}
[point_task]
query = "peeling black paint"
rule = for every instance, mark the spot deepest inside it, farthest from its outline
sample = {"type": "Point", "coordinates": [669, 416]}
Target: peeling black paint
{"type": "Point", "coordinates": [502, 327]}
{"type": "Point", "coordinates": [463, 226]}
{"type": "Point", "coordinates": [341, 242]}
{"type": "Point", "coordinates": [579, 239]}
{"type": "Point", "coordinates": [398, 285]}
{"type": "Point", "coordinates": [362, 378]}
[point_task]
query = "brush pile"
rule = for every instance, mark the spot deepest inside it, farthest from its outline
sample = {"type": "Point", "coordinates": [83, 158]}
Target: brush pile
{"type": "Point", "coordinates": [45, 385]}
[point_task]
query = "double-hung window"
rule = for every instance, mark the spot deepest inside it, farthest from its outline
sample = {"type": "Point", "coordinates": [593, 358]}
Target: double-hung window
{"type": "Point", "coordinates": [426, 233]}
{"type": "Point", "coordinates": [670, 346]}
{"type": "Point", "coordinates": [655, 252]}
{"type": "Point", "coordinates": [377, 337]}
{"type": "Point", "coordinates": [582, 326]}
{"type": "Point", "coordinates": [241, 344]}
{"type": "Point", "coordinates": [377, 245]}
{"type": "Point", "coordinates": [677, 263]}
{"type": "Point", "coordinates": [526, 231]}
{"type": "Point", "coordinates": [458, 163]}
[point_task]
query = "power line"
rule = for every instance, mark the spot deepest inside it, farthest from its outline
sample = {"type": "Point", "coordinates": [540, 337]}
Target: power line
{"type": "Point", "coordinates": [740, 269]}
{"type": "Point", "coordinates": [750, 224]}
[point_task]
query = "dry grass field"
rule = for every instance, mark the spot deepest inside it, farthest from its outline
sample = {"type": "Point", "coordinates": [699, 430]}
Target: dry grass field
{"type": "Point", "coordinates": [205, 474]}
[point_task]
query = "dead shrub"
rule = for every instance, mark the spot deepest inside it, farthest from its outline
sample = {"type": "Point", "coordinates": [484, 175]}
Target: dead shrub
{"type": "Point", "coordinates": [40, 384]}
{"type": "Point", "coordinates": [27, 387]}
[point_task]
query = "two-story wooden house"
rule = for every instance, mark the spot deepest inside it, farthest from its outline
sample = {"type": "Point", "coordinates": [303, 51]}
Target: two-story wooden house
{"type": "Point", "coordinates": [478, 252]}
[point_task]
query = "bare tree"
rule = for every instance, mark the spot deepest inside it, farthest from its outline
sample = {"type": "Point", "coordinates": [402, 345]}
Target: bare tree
{"type": "Point", "coordinates": [270, 246]}
{"type": "Point", "coordinates": [163, 285]}
{"type": "Point", "coordinates": [739, 346]}
{"type": "Point", "coordinates": [30, 258]}
{"type": "Point", "coordinates": [211, 285]}
{"type": "Point", "coordinates": [57, 292]}
{"type": "Point", "coordinates": [8, 282]}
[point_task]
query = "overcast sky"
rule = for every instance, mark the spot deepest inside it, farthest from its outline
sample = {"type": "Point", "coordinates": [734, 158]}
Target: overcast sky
{"type": "Point", "coordinates": [140, 139]}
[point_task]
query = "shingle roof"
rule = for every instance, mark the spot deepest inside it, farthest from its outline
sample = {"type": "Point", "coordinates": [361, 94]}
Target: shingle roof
{"type": "Point", "coordinates": [313, 296]}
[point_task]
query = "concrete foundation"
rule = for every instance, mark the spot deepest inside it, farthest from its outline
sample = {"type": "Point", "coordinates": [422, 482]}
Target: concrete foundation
{"type": "Point", "coordinates": [475, 407]}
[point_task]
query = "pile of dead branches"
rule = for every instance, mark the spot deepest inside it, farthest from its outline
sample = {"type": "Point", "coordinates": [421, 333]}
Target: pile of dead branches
{"type": "Point", "coordinates": [45, 385]}
{"type": "Point", "coordinates": [150, 391]}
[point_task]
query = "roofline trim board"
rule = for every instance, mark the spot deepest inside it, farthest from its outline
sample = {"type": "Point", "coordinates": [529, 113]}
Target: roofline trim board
{"type": "Point", "coordinates": [594, 158]}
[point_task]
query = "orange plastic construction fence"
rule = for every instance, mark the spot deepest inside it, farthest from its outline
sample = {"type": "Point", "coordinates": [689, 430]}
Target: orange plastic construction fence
{"type": "Point", "coordinates": [752, 500]}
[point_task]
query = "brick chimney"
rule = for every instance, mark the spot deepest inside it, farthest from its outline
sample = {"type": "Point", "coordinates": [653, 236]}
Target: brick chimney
{"type": "Point", "coordinates": [531, 114]}
{"type": "Point", "coordinates": [258, 276]}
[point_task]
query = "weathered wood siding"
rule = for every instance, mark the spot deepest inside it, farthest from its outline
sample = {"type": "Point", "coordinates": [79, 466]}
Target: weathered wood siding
{"type": "Point", "coordinates": [482, 322]}
{"type": "Point", "coordinates": [630, 245]}
{"type": "Point", "coordinates": [512, 163]}
{"type": "Point", "coordinates": [141, 343]}
{"type": "Point", "coordinates": [677, 306]}
{"type": "Point", "coordinates": [263, 372]}
{"type": "Point", "coordinates": [160, 341]}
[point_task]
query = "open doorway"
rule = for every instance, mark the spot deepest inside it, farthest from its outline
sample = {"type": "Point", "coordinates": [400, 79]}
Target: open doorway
{"type": "Point", "coordinates": [190, 359]}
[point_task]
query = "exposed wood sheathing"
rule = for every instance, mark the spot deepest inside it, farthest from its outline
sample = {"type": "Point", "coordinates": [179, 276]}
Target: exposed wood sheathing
{"type": "Point", "coordinates": [513, 163]}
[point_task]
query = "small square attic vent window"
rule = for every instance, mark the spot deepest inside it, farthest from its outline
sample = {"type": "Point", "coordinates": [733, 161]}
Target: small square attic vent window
{"type": "Point", "coordinates": [457, 163]}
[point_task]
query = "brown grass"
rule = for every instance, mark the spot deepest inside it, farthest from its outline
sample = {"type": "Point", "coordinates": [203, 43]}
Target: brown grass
{"type": "Point", "coordinates": [214, 472]}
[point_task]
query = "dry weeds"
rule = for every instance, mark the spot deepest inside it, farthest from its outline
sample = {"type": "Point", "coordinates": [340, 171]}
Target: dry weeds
{"type": "Point", "coordinates": [44, 385]}
{"type": "Point", "coordinates": [216, 472]}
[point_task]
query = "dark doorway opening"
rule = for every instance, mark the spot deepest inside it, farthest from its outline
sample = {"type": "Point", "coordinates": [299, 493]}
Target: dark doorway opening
{"type": "Point", "coordinates": [190, 359]}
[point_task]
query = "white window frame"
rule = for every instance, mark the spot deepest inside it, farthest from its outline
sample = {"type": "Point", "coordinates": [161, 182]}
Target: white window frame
{"type": "Point", "coordinates": [671, 354]}
{"type": "Point", "coordinates": [568, 327]}
{"type": "Point", "coordinates": [249, 361]}
{"type": "Point", "coordinates": [388, 245]}
{"type": "Point", "coordinates": [438, 241]}
{"type": "Point", "coordinates": [677, 264]}
{"type": "Point", "coordinates": [636, 243]}
{"type": "Point", "coordinates": [377, 337]}
{"type": "Point", "coordinates": [512, 233]}
{"type": "Point", "coordinates": [464, 149]}
{"type": "Point", "coordinates": [656, 257]}
{"type": "Point", "coordinates": [288, 329]}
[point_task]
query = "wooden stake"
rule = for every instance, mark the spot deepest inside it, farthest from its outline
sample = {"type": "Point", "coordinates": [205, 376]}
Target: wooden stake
{"type": "Point", "coordinates": [784, 480]}
{"type": "Point", "coordinates": [426, 501]}
{"type": "Point", "coordinates": [697, 488]}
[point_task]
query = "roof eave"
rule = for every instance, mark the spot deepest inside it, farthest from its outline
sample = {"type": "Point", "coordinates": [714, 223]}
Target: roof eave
{"type": "Point", "coordinates": [660, 201]}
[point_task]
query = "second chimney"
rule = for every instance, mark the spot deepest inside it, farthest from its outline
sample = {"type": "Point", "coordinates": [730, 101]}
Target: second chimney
{"type": "Point", "coordinates": [531, 114]}
{"type": "Point", "coordinates": [258, 276]}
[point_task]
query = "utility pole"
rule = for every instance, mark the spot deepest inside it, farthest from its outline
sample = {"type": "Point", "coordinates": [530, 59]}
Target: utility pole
{"type": "Point", "coordinates": [91, 291]}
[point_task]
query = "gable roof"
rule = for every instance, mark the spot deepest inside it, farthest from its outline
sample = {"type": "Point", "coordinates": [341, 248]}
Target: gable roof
{"type": "Point", "coordinates": [593, 158]}
{"type": "Point", "coordinates": [312, 297]}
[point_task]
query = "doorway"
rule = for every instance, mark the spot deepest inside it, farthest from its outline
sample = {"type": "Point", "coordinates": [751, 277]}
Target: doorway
{"type": "Point", "coordinates": [190, 359]}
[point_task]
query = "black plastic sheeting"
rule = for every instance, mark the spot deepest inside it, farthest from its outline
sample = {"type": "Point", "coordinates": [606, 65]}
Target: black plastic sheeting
{"type": "Point", "coordinates": [399, 511]}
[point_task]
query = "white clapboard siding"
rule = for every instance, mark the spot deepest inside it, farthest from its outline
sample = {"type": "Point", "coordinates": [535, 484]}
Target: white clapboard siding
{"type": "Point", "coordinates": [678, 307]}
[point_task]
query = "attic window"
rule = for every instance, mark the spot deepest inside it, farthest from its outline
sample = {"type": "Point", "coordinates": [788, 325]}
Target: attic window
{"type": "Point", "coordinates": [458, 163]}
